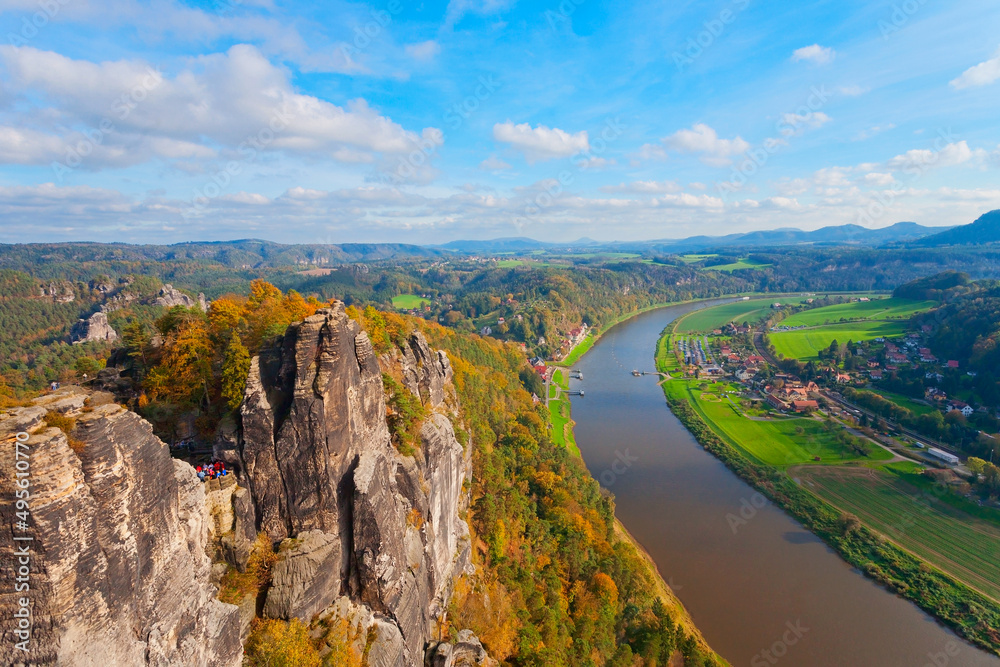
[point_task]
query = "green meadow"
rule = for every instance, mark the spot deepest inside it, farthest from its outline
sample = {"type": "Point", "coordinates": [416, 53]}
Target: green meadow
{"type": "Point", "coordinates": [741, 264]}
{"type": "Point", "coordinates": [778, 441]}
{"type": "Point", "coordinates": [876, 309]}
{"type": "Point", "coordinates": [805, 344]}
{"type": "Point", "coordinates": [708, 319]}
{"type": "Point", "coordinates": [409, 301]}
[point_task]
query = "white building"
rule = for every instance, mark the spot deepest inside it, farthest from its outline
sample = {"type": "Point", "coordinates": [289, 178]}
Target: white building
{"type": "Point", "coordinates": [942, 455]}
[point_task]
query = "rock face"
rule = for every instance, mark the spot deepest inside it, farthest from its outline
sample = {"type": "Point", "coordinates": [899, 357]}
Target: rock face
{"type": "Point", "coordinates": [94, 328]}
{"type": "Point", "coordinates": [356, 521]}
{"type": "Point", "coordinates": [119, 574]}
{"type": "Point", "coordinates": [169, 297]}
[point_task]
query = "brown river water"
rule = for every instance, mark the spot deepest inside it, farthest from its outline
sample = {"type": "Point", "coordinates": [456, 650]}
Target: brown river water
{"type": "Point", "coordinates": [763, 590]}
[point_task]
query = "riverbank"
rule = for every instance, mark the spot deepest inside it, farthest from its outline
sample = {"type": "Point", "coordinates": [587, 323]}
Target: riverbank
{"type": "Point", "coordinates": [678, 612]}
{"type": "Point", "coordinates": [967, 612]}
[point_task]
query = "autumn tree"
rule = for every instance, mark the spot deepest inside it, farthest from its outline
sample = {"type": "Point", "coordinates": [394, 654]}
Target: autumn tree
{"type": "Point", "coordinates": [184, 374]}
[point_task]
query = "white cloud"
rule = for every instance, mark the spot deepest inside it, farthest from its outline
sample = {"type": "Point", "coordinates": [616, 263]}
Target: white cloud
{"type": "Point", "coordinates": [879, 179]}
{"type": "Point", "coordinates": [211, 107]}
{"type": "Point", "coordinates": [819, 55]}
{"type": "Point", "coordinates": [921, 159]}
{"type": "Point", "coordinates": [541, 143]}
{"type": "Point", "coordinates": [651, 152]}
{"type": "Point", "coordinates": [872, 131]}
{"type": "Point", "coordinates": [424, 50]}
{"type": "Point", "coordinates": [982, 74]}
{"type": "Point", "coordinates": [787, 203]}
{"type": "Point", "coordinates": [852, 90]}
{"type": "Point", "coordinates": [793, 124]}
{"type": "Point", "coordinates": [645, 187]}
{"type": "Point", "coordinates": [703, 139]}
{"type": "Point", "coordinates": [459, 8]}
{"type": "Point", "coordinates": [594, 162]}
{"type": "Point", "coordinates": [493, 163]}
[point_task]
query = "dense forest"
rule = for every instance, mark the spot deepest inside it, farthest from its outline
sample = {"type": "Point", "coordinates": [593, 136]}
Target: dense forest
{"type": "Point", "coordinates": [538, 300]}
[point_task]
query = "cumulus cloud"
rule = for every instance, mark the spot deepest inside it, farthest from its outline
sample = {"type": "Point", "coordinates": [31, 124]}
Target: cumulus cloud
{"type": "Point", "coordinates": [879, 179]}
{"type": "Point", "coordinates": [852, 90]}
{"type": "Point", "coordinates": [982, 74]}
{"type": "Point", "coordinates": [235, 103]}
{"type": "Point", "coordinates": [872, 131]}
{"type": "Point", "coordinates": [493, 163]}
{"type": "Point", "coordinates": [921, 159]}
{"type": "Point", "coordinates": [704, 140]}
{"type": "Point", "coordinates": [541, 143]}
{"type": "Point", "coordinates": [793, 124]}
{"type": "Point", "coordinates": [459, 8]}
{"type": "Point", "coordinates": [645, 187]}
{"type": "Point", "coordinates": [819, 55]}
{"type": "Point", "coordinates": [424, 50]}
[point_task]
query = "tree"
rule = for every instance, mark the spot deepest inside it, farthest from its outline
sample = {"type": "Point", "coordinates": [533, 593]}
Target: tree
{"type": "Point", "coordinates": [135, 338]}
{"type": "Point", "coordinates": [279, 644]}
{"type": "Point", "coordinates": [235, 366]}
{"type": "Point", "coordinates": [184, 373]}
{"type": "Point", "coordinates": [976, 465]}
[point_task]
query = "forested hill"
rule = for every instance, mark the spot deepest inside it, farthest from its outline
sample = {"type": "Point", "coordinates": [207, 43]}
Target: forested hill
{"type": "Point", "coordinates": [967, 329]}
{"type": "Point", "coordinates": [986, 229]}
{"type": "Point", "coordinates": [246, 254]}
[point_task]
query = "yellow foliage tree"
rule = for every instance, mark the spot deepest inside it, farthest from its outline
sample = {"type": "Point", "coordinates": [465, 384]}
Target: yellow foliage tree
{"type": "Point", "coordinates": [279, 644]}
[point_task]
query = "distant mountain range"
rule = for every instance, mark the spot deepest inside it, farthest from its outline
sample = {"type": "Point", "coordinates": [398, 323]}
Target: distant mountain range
{"type": "Point", "coordinates": [901, 232]}
{"type": "Point", "coordinates": [986, 229]}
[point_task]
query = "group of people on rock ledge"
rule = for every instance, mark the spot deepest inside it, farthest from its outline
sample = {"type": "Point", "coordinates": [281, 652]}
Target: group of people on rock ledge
{"type": "Point", "coordinates": [213, 470]}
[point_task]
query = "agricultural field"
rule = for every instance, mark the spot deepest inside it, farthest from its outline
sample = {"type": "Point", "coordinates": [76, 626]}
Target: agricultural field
{"type": "Point", "coordinates": [741, 264]}
{"type": "Point", "coordinates": [876, 309]}
{"type": "Point", "coordinates": [691, 259]}
{"type": "Point", "coordinates": [805, 344]}
{"type": "Point", "coordinates": [409, 301]}
{"type": "Point", "coordinates": [718, 316]}
{"type": "Point", "coordinates": [960, 544]}
{"type": "Point", "coordinates": [778, 441]}
{"type": "Point", "coordinates": [509, 263]}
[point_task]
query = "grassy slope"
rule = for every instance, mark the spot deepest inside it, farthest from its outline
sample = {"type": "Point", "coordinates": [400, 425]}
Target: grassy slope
{"type": "Point", "coordinates": [712, 318]}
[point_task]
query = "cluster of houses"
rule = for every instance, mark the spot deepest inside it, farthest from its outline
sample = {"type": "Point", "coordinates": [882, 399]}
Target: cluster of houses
{"type": "Point", "coordinates": [792, 395]}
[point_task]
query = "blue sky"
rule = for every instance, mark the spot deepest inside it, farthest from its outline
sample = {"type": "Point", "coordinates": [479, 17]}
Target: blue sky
{"type": "Point", "coordinates": [426, 122]}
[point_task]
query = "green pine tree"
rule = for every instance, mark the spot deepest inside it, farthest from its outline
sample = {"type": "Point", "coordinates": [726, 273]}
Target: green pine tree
{"type": "Point", "coordinates": [235, 366]}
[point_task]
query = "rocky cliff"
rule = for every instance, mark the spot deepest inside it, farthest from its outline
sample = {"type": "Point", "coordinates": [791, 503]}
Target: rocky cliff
{"type": "Point", "coordinates": [94, 328]}
{"type": "Point", "coordinates": [360, 527]}
{"type": "Point", "coordinates": [119, 573]}
{"type": "Point", "coordinates": [125, 536]}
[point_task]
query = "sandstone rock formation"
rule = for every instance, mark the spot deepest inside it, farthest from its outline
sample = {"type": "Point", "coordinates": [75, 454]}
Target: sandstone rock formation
{"type": "Point", "coordinates": [120, 574]}
{"type": "Point", "coordinates": [60, 291]}
{"type": "Point", "coordinates": [94, 328]}
{"type": "Point", "coordinates": [169, 297]}
{"type": "Point", "coordinates": [357, 522]}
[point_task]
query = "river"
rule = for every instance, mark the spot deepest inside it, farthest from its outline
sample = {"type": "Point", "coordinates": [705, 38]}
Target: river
{"type": "Point", "coordinates": [760, 584]}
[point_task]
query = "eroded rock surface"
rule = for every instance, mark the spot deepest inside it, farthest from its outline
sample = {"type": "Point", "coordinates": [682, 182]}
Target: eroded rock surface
{"type": "Point", "coordinates": [94, 328]}
{"type": "Point", "coordinates": [120, 574]}
{"type": "Point", "coordinates": [322, 470]}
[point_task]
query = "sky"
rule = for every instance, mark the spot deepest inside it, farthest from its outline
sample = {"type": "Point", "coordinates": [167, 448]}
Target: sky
{"type": "Point", "coordinates": [425, 122]}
